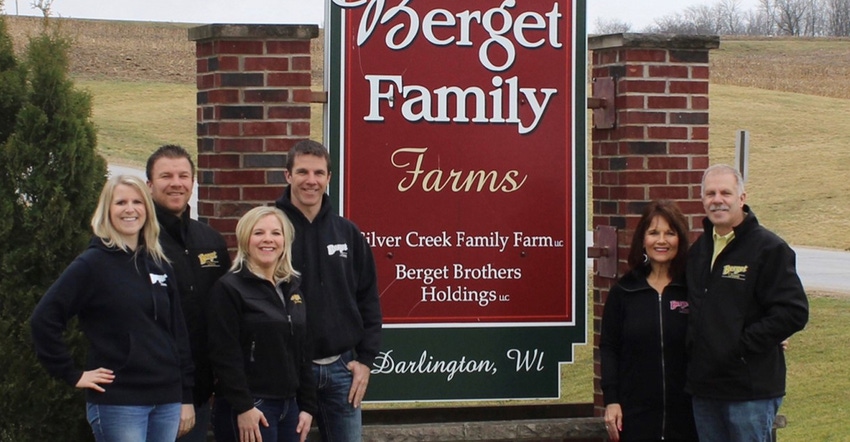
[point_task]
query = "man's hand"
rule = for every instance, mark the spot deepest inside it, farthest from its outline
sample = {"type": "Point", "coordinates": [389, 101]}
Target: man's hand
{"type": "Point", "coordinates": [359, 383]}
{"type": "Point", "coordinates": [187, 419]}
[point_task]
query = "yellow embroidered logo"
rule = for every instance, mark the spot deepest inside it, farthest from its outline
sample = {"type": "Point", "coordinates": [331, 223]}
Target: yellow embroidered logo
{"type": "Point", "coordinates": [296, 299]}
{"type": "Point", "coordinates": [735, 272]}
{"type": "Point", "coordinates": [209, 259]}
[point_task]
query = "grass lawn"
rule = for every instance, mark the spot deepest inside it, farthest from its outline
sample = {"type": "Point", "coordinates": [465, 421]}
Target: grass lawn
{"type": "Point", "coordinates": [818, 395]}
{"type": "Point", "coordinates": [134, 118]}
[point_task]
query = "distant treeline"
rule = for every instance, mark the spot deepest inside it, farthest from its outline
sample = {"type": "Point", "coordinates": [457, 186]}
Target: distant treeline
{"type": "Point", "coordinates": [807, 18]}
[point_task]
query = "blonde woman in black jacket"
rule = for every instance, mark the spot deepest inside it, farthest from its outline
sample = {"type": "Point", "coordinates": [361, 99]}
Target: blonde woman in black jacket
{"type": "Point", "coordinates": [138, 372]}
{"type": "Point", "coordinates": [265, 389]}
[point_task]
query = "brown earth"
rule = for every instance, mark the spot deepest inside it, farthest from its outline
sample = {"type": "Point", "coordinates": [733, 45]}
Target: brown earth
{"type": "Point", "coordinates": [128, 51]}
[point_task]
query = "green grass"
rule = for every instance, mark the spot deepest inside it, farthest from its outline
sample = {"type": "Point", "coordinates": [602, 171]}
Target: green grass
{"type": "Point", "coordinates": [817, 404]}
{"type": "Point", "coordinates": [134, 118]}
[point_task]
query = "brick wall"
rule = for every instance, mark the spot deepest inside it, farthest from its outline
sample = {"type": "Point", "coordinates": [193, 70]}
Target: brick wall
{"type": "Point", "coordinates": [253, 105]}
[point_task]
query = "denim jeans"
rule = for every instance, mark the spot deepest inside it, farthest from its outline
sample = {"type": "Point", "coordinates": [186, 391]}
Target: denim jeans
{"type": "Point", "coordinates": [134, 423]}
{"type": "Point", "coordinates": [735, 421]}
{"type": "Point", "coordinates": [202, 425]}
{"type": "Point", "coordinates": [338, 420]}
{"type": "Point", "coordinates": [282, 415]}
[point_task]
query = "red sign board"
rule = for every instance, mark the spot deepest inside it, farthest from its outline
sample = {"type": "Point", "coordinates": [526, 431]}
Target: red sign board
{"type": "Point", "coordinates": [457, 142]}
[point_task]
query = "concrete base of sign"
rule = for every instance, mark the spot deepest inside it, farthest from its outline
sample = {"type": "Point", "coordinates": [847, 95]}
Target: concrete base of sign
{"type": "Point", "coordinates": [496, 423]}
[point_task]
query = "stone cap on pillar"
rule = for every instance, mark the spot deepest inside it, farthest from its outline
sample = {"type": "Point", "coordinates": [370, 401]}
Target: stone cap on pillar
{"type": "Point", "coordinates": [653, 41]}
{"type": "Point", "coordinates": [254, 32]}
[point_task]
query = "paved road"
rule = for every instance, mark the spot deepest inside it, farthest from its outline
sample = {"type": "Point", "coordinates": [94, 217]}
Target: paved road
{"type": "Point", "coordinates": [119, 170]}
{"type": "Point", "coordinates": [824, 269]}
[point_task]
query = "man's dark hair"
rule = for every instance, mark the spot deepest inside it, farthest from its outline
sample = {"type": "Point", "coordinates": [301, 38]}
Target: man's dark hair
{"type": "Point", "coordinates": [307, 147]}
{"type": "Point", "coordinates": [168, 151]}
{"type": "Point", "coordinates": [670, 212]}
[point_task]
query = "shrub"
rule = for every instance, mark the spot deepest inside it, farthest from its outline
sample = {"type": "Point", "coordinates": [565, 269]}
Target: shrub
{"type": "Point", "coordinates": [50, 178]}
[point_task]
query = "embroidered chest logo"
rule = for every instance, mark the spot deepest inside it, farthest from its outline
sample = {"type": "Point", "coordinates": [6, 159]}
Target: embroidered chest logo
{"type": "Point", "coordinates": [338, 249]}
{"type": "Point", "coordinates": [209, 259]}
{"type": "Point", "coordinates": [161, 280]}
{"type": "Point", "coordinates": [735, 272]}
{"type": "Point", "coordinates": [296, 299]}
{"type": "Point", "coordinates": [679, 306]}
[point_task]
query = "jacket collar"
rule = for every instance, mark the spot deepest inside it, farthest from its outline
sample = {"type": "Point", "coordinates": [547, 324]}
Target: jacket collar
{"type": "Point", "coordinates": [285, 203]}
{"type": "Point", "coordinates": [176, 226]}
{"type": "Point", "coordinates": [635, 280]}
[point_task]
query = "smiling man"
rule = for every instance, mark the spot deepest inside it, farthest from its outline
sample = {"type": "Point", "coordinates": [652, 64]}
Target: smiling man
{"type": "Point", "coordinates": [199, 256]}
{"type": "Point", "coordinates": [339, 283]}
{"type": "Point", "coordinates": [745, 299]}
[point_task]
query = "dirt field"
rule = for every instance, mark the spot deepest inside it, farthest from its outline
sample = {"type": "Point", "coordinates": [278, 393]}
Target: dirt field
{"type": "Point", "coordinates": [129, 51]}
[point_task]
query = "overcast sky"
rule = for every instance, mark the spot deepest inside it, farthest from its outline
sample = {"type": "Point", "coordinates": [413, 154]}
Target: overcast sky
{"type": "Point", "coordinates": [639, 13]}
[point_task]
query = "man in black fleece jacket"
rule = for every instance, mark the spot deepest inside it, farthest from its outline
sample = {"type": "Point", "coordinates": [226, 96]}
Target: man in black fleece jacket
{"type": "Point", "coordinates": [745, 299]}
{"type": "Point", "coordinates": [340, 285]}
{"type": "Point", "coordinates": [199, 257]}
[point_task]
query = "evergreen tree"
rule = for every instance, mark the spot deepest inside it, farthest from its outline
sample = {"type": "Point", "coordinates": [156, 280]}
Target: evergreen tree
{"type": "Point", "coordinates": [50, 179]}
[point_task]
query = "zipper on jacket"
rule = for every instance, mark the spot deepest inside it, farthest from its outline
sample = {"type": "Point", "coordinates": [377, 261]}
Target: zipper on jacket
{"type": "Point", "coordinates": [253, 346]}
{"type": "Point", "coordinates": [289, 320]}
{"type": "Point", "coordinates": [663, 367]}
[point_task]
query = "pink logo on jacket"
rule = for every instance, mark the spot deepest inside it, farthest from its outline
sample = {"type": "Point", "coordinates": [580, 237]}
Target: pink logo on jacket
{"type": "Point", "coordinates": [679, 306]}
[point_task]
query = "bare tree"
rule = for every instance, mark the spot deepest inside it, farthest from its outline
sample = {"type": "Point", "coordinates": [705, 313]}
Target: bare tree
{"type": "Point", "coordinates": [838, 18]}
{"type": "Point", "coordinates": [611, 26]}
{"type": "Point", "coordinates": [756, 22]}
{"type": "Point", "coordinates": [698, 19]}
{"type": "Point", "coordinates": [729, 17]}
{"type": "Point", "coordinates": [789, 16]}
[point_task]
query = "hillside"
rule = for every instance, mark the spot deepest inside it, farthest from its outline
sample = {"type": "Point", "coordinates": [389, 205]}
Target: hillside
{"type": "Point", "coordinates": [162, 52]}
{"type": "Point", "coordinates": [128, 51]}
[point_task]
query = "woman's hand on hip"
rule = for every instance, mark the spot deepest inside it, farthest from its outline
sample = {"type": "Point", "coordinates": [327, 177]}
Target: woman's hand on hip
{"type": "Point", "coordinates": [94, 378]}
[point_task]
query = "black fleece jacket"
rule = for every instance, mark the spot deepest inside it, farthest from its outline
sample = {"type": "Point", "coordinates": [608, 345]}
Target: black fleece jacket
{"type": "Point", "coordinates": [741, 311]}
{"type": "Point", "coordinates": [129, 310]}
{"type": "Point", "coordinates": [339, 281]}
{"type": "Point", "coordinates": [258, 344]}
{"type": "Point", "coordinates": [199, 257]}
{"type": "Point", "coordinates": [643, 358]}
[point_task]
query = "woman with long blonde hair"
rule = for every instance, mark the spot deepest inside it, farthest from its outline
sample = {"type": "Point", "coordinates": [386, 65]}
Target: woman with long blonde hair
{"type": "Point", "coordinates": [139, 369]}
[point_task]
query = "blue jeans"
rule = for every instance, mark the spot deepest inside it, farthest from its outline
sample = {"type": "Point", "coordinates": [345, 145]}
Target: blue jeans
{"type": "Point", "coordinates": [735, 421]}
{"type": "Point", "coordinates": [282, 415]}
{"type": "Point", "coordinates": [338, 420]}
{"type": "Point", "coordinates": [134, 423]}
{"type": "Point", "coordinates": [202, 425]}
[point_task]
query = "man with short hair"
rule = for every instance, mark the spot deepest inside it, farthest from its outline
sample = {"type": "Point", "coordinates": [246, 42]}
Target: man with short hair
{"type": "Point", "coordinates": [745, 299]}
{"type": "Point", "coordinates": [199, 256]}
{"type": "Point", "coordinates": [339, 283]}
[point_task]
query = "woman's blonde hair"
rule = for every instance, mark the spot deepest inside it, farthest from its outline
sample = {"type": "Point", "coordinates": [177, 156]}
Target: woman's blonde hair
{"type": "Point", "coordinates": [101, 224]}
{"type": "Point", "coordinates": [244, 228]}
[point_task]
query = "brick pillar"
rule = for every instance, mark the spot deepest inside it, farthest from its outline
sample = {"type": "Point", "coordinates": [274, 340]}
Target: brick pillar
{"type": "Point", "coordinates": [253, 105]}
{"type": "Point", "coordinates": [659, 146]}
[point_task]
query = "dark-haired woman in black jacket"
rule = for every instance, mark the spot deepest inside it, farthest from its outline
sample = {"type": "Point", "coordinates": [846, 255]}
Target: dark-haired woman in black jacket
{"type": "Point", "coordinates": [644, 324]}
